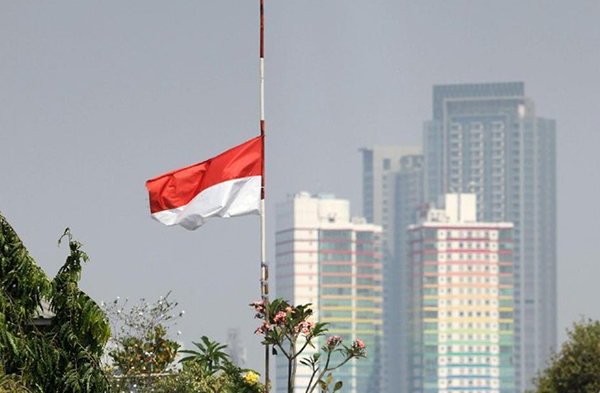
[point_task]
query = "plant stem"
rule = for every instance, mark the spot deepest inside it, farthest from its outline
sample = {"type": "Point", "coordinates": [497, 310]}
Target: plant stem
{"type": "Point", "coordinates": [283, 351]}
{"type": "Point", "coordinates": [312, 377]}
{"type": "Point", "coordinates": [294, 365]}
{"type": "Point", "coordinates": [340, 365]}
{"type": "Point", "coordinates": [290, 363]}
{"type": "Point", "coordinates": [322, 373]}
{"type": "Point", "coordinates": [303, 347]}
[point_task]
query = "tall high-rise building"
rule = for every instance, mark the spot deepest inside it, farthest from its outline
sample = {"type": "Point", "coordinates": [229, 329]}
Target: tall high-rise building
{"type": "Point", "coordinates": [392, 191]}
{"type": "Point", "coordinates": [461, 301]}
{"type": "Point", "coordinates": [486, 139]}
{"type": "Point", "coordinates": [235, 348]}
{"type": "Point", "coordinates": [332, 260]}
{"type": "Point", "coordinates": [380, 165]}
{"type": "Point", "coordinates": [408, 202]}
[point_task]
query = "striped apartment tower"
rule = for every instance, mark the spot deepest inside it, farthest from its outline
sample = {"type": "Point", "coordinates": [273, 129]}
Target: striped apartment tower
{"type": "Point", "coordinates": [329, 259]}
{"type": "Point", "coordinates": [462, 301]}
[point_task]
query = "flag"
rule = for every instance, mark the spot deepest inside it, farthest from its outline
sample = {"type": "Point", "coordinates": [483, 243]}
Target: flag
{"type": "Point", "coordinates": [227, 185]}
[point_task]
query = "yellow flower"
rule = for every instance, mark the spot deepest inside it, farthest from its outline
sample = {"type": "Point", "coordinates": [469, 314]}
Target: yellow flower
{"type": "Point", "coordinates": [251, 378]}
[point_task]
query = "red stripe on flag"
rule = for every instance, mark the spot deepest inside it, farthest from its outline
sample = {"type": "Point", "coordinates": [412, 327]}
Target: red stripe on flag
{"type": "Point", "coordinates": [179, 187]}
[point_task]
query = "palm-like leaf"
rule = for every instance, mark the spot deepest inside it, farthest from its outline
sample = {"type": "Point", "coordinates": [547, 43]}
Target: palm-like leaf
{"type": "Point", "coordinates": [210, 355]}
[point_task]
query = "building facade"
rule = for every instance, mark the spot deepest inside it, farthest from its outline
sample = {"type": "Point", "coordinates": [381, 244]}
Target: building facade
{"type": "Point", "coordinates": [486, 139]}
{"type": "Point", "coordinates": [408, 201]}
{"type": "Point", "coordinates": [333, 261]}
{"type": "Point", "coordinates": [392, 191]}
{"type": "Point", "coordinates": [462, 326]}
{"type": "Point", "coordinates": [380, 166]}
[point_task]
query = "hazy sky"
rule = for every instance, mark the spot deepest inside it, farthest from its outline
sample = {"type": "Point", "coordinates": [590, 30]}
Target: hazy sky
{"type": "Point", "coordinates": [97, 97]}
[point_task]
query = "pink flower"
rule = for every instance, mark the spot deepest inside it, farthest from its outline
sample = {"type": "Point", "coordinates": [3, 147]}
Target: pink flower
{"type": "Point", "coordinates": [332, 341]}
{"type": "Point", "coordinates": [358, 348]}
{"type": "Point", "coordinates": [259, 330]}
{"type": "Point", "coordinates": [264, 328]}
{"type": "Point", "coordinates": [304, 326]}
{"type": "Point", "coordinates": [290, 310]}
{"type": "Point", "coordinates": [280, 318]}
{"type": "Point", "coordinates": [257, 304]}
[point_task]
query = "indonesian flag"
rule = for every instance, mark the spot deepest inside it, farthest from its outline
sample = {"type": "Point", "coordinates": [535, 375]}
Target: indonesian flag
{"type": "Point", "coordinates": [227, 185]}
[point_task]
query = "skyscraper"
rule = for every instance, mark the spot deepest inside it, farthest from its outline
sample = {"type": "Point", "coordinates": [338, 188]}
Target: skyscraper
{"type": "Point", "coordinates": [486, 139]}
{"type": "Point", "coordinates": [235, 348]}
{"type": "Point", "coordinates": [408, 201]}
{"type": "Point", "coordinates": [380, 165]}
{"type": "Point", "coordinates": [327, 258]}
{"type": "Point", "coordinates": [392, 191]}
{"type": "Point", "coordinates": [461, 301]}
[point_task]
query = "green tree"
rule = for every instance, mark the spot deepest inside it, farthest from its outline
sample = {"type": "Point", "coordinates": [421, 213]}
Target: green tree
{"type": "Point", "coordinates": [576, 368]}
{"type": "Point", "coordinates": [62, 357]}
{"type": "Point", "coordinates": [141, 350]}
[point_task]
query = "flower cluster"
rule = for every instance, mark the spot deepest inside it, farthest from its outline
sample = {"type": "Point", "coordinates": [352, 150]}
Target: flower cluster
{"type": "Point", "coordinates": [251, 378]}
{"type": "Point", "coordinates": [263, 328]}
{"type": "Point", "coordinates": [259, 306]}
{"type": "Point", "coordinates": [280, 318]}
{"type": "Point", "coordinates": [358, 348]}
{"type": "Point", "coordinates": [305, 327]}
{"type": "Point", "coordinates": [334, 341]}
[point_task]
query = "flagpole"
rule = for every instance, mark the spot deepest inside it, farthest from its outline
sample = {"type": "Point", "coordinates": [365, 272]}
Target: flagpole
{"type": "Point", "coordinates": [264, 267]}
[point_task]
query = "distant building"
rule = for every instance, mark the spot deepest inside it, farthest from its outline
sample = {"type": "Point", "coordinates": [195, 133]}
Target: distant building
{"type": "Point", "coordinates": [380, 165]}
{"type": "Point", "coordinates": [486, 139]}
{"type": "Point", "coordinates": [392, 193]}
{"type": "Point", "coordinates": [327, 258]}
{"type": "Point", "coordinates": [235, 347]}
{"type": "Point", "coordinates": [462, 325]}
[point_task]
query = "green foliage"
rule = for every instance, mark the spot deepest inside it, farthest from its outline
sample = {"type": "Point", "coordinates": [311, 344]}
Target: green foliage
{"type": "Point", "coordinates": [63, 357]}
{"type": "Point", "coordinates": [153, 353]}
{"type": "Point", "coordinates": [210, 356]}
{"type": "Point", "coordinates": [188, 380]}
{"type": "Point", "coordinates": [142, 352]}
{"type": "Point", "coordinates": [12, 384]}
{"type": "Point", "coordinates": [241, 380]}
{"type": "Point", "coordinates": [576, 368]}
{"type": "Point", "coordinates": [193, 379]}
{"type": "Point", "coordinates": [209, 370]}
{"type": "Point", "coordinates": [23, 285]}
{"type": "Point", "coordinates": [326, 384]}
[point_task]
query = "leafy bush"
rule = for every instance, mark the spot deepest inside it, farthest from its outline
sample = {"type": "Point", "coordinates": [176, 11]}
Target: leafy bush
{"type": "Point", "coordinates": [576, 368]}
{"type": "Point", "coordinates": [141, 351]}
{"type": "Point", "coordinates": [192, 379]}
{"type": "Point", "coordinates": [61, 357]}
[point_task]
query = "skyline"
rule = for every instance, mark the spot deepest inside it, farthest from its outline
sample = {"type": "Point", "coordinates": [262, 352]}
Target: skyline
{"type": "Point", "coordinates": [124, 93]}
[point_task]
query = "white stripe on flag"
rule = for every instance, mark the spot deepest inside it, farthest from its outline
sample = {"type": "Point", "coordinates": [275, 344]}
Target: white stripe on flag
{"type": "Point", "coordinates": [232, 198]}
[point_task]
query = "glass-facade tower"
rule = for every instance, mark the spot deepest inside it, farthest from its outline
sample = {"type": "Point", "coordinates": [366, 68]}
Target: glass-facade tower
{"type": "Point", "coordinates": [486, 139]}
{"type": "Point", "coordinates": [392, 192]}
